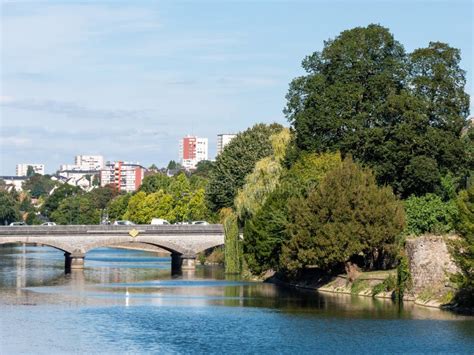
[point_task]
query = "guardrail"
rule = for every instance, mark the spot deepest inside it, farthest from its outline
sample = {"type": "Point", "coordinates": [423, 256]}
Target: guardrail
{"type": "Point", "coordinates": [111, 229]}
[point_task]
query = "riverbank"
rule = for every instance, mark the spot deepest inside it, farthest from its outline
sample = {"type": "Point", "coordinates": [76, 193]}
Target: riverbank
{"type": "Point", "coordinates": [365, 284]}
{"type": "Point", "coordinates": [373, 284]}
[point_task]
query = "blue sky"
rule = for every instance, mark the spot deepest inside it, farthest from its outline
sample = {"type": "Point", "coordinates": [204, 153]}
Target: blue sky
{"type": "Point", "coordinates": [127, 79]}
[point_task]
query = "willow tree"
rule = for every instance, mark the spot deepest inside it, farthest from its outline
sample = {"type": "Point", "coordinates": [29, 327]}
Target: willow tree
{"type": "Point", "coordinates": [263, 179]}
{"type": "Point", "coordinates": [266, 231]}
{"type": "Point", "coordinates": [232, 253]}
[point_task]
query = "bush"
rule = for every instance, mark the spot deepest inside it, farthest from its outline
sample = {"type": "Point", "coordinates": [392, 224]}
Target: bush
{"type": "Point", "coordinates": [429, 214]}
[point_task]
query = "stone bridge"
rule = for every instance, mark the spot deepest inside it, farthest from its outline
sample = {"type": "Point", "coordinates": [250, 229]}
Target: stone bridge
{"type": "Point", "coordinates": [183, 241]}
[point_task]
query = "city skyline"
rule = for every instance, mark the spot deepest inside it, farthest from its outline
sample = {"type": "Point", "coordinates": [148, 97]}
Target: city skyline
{"type": "Point", "coordinates": [162, 70]}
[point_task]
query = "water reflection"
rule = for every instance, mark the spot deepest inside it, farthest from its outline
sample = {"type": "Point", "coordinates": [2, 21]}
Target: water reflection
{"type": "Point", "coordinates": [128, 301]}
{"type": "Point", "coordinates": [122, 277]}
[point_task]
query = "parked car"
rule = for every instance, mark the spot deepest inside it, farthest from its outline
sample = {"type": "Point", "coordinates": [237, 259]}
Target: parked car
{"type": "Point", "coordinates": [123, 223]}
{"type": "Point", "coordinates": [48, 224]}
{"type": "Point", "coordinates": [201, 222]}
{"type": "Point", "coordinates": [159, 221]}
{"type": "Point", "coordinates": [18, 224]}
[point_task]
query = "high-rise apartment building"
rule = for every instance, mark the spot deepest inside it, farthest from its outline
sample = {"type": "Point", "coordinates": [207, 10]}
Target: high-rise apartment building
{"type": "Point", "coordinates": [123, 176]}
{"type": "Point", "coordinates": [222, 140]}
{"type": "Point", "coordinates": [22, 169]}
{"type": "Point", "coordinates": [192, 150]}
{"type": "Point", "coordinates": [89, 162]}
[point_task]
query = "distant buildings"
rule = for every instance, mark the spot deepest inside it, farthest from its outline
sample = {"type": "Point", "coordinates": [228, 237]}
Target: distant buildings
{"type": "Point", "coordinates": [85, 162]}
{"type": "Point", "coordinates": [123, 176]}
{"type": "Point", "coordinates": [14, 182]}
{"type": "Point", "coordinates": [84, 173]}
{"type": "Point", "coordinates": [22, 169]}
{"type": "Point", "coordinates": [192, 150]}
{"type": "Point", "coordinates": [223, 140]}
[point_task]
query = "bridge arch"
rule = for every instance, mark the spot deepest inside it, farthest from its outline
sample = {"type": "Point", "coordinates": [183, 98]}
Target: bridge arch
{"type": "Point", "coordinates": [208, 246]}
{"type": "Point", "coordinates": [58, 246]}
{"type": "Point", "coordinates": [168, 246]}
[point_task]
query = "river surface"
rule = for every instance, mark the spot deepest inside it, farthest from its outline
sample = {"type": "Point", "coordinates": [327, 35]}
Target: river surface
{"type": "Point", "coordinates": [128, 302]}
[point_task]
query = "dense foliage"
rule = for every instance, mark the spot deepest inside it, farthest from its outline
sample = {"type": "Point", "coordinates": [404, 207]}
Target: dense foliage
{"type": "Point", "coordinates": [401, 114]}
{"type": "Point", "coordinates": [429, 214]}
{"type": "Point", "coordinates": [39, 185]}
{"type": "Point", "coordinates": [464, 248]}
{"type": "Point", "coordinates": [176, 199]}
{"type": "Point", "coordinates": [9, 211]}
{"type": "Point", "coordinates": [347, 215]}
{"type": "Point", "coordinates": [263, 179]}
{"type": "Point", "coordinates": [266, 230]}
{"type": "Point", "coordinates": [236, 162]}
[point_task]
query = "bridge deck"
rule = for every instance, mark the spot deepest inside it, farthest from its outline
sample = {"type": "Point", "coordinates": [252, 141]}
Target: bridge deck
{"type": "Point", "coordinates": [143, 229]}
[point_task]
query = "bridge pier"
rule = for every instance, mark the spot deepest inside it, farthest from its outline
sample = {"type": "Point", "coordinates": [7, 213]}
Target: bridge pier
{"type": "Point", "coordinates": [181, 262]}
{"type": "Point", "coordinates": [74, 261]}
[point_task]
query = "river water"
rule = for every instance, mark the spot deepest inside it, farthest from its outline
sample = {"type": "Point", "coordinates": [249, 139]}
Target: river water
{"type": "Point", "coordinates": [128, 302]}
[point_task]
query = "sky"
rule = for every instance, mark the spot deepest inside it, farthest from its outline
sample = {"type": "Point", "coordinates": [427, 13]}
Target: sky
{"type": "Point", "coordinates": [127, 79]}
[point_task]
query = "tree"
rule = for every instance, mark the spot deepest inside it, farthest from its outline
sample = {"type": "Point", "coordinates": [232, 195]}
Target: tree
{"type": "Point", "coordinates": [60, 193]}
{"type": "Point", "coordinates": [203, 168]}
{"type": "Point", "coordinates": [172, 165]}
{"type": "Point", "coordinates": [267, 230]}
{"type": "Point", "coordinates": [118, 207]}
{"type": "Point", "coordinates": [346, 217]}
{"type": "Point", "coordinates": [402, 115]}
{"type": "Point", "coordinates": [437, 78]}
{"type": "Point", "coordinates": [30, 171]}
{"type": "Point", "coordinates": [101, 196]}
{"type": "Point", "coordinates": [154, 183]}
{"type": "Point", "coordinates": [39, 185]}
{"type": "Point", "coordinates": [135, 207]}
{"type": "Point", "coordinates": [8, 208]}
{"type": "Point", "coordinates": [429, 214]}
{"type": "Point", "coordinates": [76, 210]}
{"type": "Point", "coordinates": [236, 161]}
{"type": "Point", "coordinates": [464, 247]}
{"type": "Point", "coordinates": [263, 179]}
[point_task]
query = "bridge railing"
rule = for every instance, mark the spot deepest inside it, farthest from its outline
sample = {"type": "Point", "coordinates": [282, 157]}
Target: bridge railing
{"type": "Point", "coordinates": [107, 229]}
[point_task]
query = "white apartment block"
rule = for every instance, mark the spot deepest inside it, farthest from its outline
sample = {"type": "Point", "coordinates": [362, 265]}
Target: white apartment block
{"type": "Point", "coordinates": [222, 140]}
{"type": "Point", "coordinates": [22, 169]}
{"type": "Point", "coordinates": [89, 162]}
{"type": "Point", "coordinates": [123, 176]}
{"type": "Point", "coordinates": [192, 150]}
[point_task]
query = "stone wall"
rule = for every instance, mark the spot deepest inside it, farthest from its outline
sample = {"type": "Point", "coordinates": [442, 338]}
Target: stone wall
{"type": "Point", "coordinates": [430, 263]}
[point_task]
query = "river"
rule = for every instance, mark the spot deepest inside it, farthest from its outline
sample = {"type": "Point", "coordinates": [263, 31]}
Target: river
{"type": "Point", "coordinates": [127, 302]}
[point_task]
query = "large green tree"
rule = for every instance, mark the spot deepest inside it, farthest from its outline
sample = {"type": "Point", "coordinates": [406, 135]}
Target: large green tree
{"type": "Point", "coordinates": [154, 183]}
{"type": "Point", "coordinates": [347, 216]}
{"type": "Point", "coordinates": [267, 230]}
{"type": "Point", "coordinates": [400, 114]}
{"type": "Point", "coordinates": [78, 209]}
{"type": "Point", "coordinates": [8, 208]}
{"type": "Point", "coordinates": [118, 207]}
{"type": "Point", "coordinates": [52, 202]}
{"type": "Point", "coordinates": [236, 162]}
